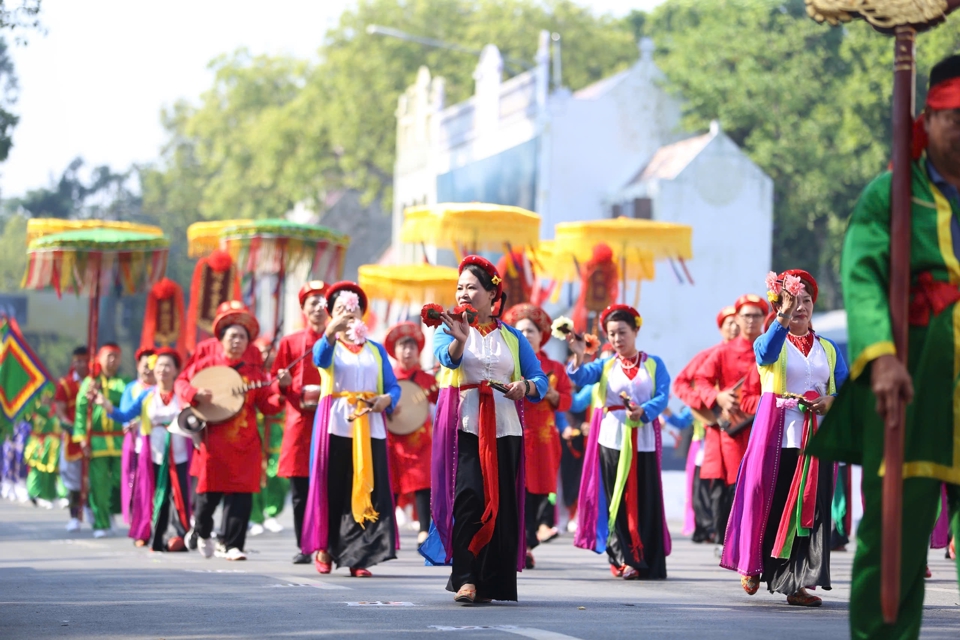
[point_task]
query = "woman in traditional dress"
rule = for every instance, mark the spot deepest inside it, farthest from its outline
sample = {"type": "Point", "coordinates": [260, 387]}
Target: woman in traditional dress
{"type": "Point", "coordinates": [163, 458]}
{"type": "Point", "coordinates": [349, 518]}
{"type": "Point", "coordinates": [779, 529]}
{"type": "Point", "coordinates": [477, 472]}
{"type": "Point", "coordinates": [229, 460]}
{"type": "Point", "coordinates": [621, 495]}
{"type": "Point", "coordinates": [410, 453]}
{"type": "Point", "coordinates": [541, 438]}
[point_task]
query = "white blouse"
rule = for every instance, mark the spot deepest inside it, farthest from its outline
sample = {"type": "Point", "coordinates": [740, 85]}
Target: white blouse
{"type": "Point", "coordinates": [487, 358]}
{"type": "Point", "coordinates": [640, 389]}
{"type": "Point", "coordinates": [804, 373]}
{"type": "Point", "coordinates": [354, 372]}
{"type": "Point", "coordinates": [160, 416]}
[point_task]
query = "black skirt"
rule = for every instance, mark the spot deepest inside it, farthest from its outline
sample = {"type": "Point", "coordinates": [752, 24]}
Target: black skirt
{"type": "Point", "coordinates": [351, 545]}
{"type": "Point", "coordinates": [653, 563]}
{"type": "Point", "coordinates": [571, 469]}
{"type": "Point", "coordinates": [809, 562]}
{"type": "Point", "coordinates": [494, 570]}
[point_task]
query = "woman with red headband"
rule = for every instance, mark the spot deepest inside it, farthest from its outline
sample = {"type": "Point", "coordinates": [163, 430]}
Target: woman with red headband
{"type": "Point", "coordinates": [163, 457]}
{"type": "Point", "coordinates": [779, 527]}
{"type": "Point", "coordinates": [487, 370]}
{"type": "Point", "coordinates": [349, 518]}
{"type": "Point", "coordinates": [229, 460]}
{"type": "Point", "coordinates": [144, 358]}
{"type": "Point", "coordinates": [540, 437]}
{"type": "Point", "coordinates": [621, 495]}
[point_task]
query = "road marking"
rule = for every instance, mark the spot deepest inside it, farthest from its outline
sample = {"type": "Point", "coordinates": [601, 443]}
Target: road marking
{"type": "Point", "coordinates": [527, 632]}
{"type": "Point", "coordinates": [214, 571]}
{"type": "Point", "coordinates": [301, 581]}
{"type": "Point", "coordinates": [378, 603]}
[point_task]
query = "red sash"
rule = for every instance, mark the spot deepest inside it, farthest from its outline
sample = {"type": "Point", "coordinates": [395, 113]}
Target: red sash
{"type": "Point", "coordinates": [489, 465]}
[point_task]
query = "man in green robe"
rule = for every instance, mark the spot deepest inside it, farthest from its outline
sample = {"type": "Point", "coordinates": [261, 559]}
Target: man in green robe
{"type": "Point", "coordinates": [854, 429]}
{"type": "Point", "coordinates": [42, 455]}
{"type": "Point", "coordinates": [268, 504]}
{"type": "Point", "coordinates": [101, 438]}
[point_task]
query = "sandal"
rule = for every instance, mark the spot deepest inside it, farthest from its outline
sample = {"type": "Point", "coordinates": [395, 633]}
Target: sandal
{"type": "Point", "coordinates": [750, 584]}
{"type": "Point", "coordinates": [467, 594]}
{"type": "Point", "coordinates": [629, 573]}
{"type": "Point", "coordinates": [322, 566]}
{"type": "Point", "coordinates": [803, 599]}
{"type": "Point", "coordinates": [616, 571]}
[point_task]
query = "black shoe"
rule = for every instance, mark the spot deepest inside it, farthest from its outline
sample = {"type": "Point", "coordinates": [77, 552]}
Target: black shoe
{"type": "Point", "coordinates": [192, 540]}
{"type": "Point", "coordinates": [302, 558]}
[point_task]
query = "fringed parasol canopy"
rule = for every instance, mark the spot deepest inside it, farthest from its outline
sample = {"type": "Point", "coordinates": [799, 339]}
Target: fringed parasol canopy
{"type": "Point", "coordinates": [203, 238]}
{"type": "Point", "coordinates": [470, 227]}
{"type": "Point", "coordinates": [410, 283]}
{"type": "Point", "coordinates": [41, 227]}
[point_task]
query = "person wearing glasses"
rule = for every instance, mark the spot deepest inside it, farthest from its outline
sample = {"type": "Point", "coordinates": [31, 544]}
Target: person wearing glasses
{"type": "Point", "coordinates": [718, 384]}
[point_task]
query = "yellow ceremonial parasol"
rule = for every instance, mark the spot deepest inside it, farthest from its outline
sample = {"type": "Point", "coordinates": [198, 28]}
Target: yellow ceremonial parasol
{"type": "Point", "coordinates": [41, 227]}
{"type": "Point", "coordinates": [203, 238]}
{"type": "Point", "coordinates": [470, 227]}
{"type": "Point", "coordinates": [409, 283]}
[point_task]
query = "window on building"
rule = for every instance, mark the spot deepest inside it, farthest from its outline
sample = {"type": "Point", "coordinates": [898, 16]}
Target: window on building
{"type": "Point", "coordinates": [616, 211]}
{"type": "Point", "coordinates": [643, 208]}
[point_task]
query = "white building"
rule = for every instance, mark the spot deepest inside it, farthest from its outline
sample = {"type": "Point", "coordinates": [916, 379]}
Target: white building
{"type": "Point", "coordinates": [612, 148]}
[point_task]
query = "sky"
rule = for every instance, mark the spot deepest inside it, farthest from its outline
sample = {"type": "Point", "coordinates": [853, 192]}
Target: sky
{"type": "Point", "coordinates": [94, 85]}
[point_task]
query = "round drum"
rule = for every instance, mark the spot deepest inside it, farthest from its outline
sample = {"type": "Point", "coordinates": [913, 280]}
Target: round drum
{"type": "Point", "coordinates": [413, 409]}
{"type": "Point", "coordinates": [228, 394]}
{"type": "Point", "coordinates": [310, 397]}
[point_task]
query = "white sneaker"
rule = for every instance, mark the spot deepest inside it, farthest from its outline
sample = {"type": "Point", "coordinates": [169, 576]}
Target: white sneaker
{"type": "Point", "coordinates": [44, 504]}
{"type": "Point", "coordinates": [100, 533]}
{"type": "Point", "coordinates": [73, 525]}
{"type": "Point", "coordinates": [88, 515]}
{"type": "Point", "coordinates": [63, 503]}
{"type": "Point", "coordinates": [272, 525]}
{"type": "Point", "coordinates": [235, 554]}
{"type": "Point", "coordinates": [220, 551]}
{"type": "Point", "coordinates": [206, 546]}
{"type": "Point", "coordinates": [256, 529]}
{"type": "Point", "coordinates": [572, 526]}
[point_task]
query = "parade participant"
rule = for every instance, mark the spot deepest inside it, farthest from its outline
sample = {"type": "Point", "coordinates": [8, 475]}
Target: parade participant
{"type": "Point", "coordinates": [410, 454]}
{"type": "Point", "coordinates": [880, 385]}
{"type": "Point", "coordinates": [101, 438]}
{"type": "Point", "coordinates": [622, 459]}
{"type": "Point", "coordinates": [477, 474]}
{"type": "Point", "coordinates": [269, 501]}
{"type": "Point", "coordinates": [131, 440]}
{"type": "Point", "coordinates": [230, 453]}
{"type": "Point", "coordinates": [699, 521]}
{"type": "Point", "coordinates": [779, 530]}
{"type": "Point", "coordinates": [571, 455]}
{"type": "Point", "coordinates": [350, 517]}
{"type": "Point", "coordinates": [300, 384]}
{"type": "Point", "coordinates": [541, 439]}
{"type": "Point", "coordinates": [71, 454]}
{"type": "Point", "coordinates": [163, 457]}
{"type": "Point", "coordinates": [42, 455]}
{"type": "Point", "coordinates": [717, 383]}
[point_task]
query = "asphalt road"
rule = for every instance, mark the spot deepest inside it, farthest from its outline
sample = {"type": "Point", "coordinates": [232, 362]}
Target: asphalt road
{"type": "Point", "coordinates": [59, 585]}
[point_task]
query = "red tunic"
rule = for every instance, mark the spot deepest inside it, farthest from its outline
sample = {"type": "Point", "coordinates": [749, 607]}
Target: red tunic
{"type": "Point", "coordinates": [67, 389]}
{"type": "Point", "coordinates": [721, 370]}
{"type": "Point", "coordinates": [684, 383]}
{"type": "Point", "coordinates": [229, 460]}
{"type": "Point", "coordinates": [541, 439]}
{"type": "Point", "coordinates": [410, 454]}
{"type": "Point", "coordinates": [295, 449]}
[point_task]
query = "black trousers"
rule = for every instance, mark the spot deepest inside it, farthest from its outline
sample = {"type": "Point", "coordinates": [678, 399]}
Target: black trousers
{"type": "Point", "coordinates": [721, 501]}
{"type": "Point", "coordinates": [702, 508]}
{"type": "Point", "coordinates": [494, 570]}
{"type": "Point", "coordinates": [167, 515]}
{"type": "Point", "coordinates": [299, 486]}
{"type": "Point", "coordinates": [421, 499]}
{"type": "Point", "coordinates": [236, 516]}
{"type": "Point", "coordinates": [537, 511]}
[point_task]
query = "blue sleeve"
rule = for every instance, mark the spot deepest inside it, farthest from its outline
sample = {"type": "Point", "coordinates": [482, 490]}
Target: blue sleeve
{"type": "Point", "coordinates": [390, 385]}
{"type": "Point", "coordinates": [530, 366]}
{"type": "Point", "coordinates": [767, 348]}
{"type": "Point", "coordinates": [587, 374]}
{"type": "Point", "coordinates": [561, 421]}
{"type": "Point", "coordinates": [681, 420]}
{"type": "Point", "coordinates": [653, 407]}
{"type": "Point", "coordinates": [130, 407]}
{"type": "Point", "coordinates": [441, 348]}
{"type": "Point", "coordinates": [581, 399]}
{"type": "Point", "coordinates": [840, 370]}
{"type": "Point", "coordinates": [323, 353]}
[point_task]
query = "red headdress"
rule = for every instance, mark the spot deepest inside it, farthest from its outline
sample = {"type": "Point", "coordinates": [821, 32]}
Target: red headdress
{"type": "Point", "coordinates": [314, 287]}
{"type": "Point", "coordinates": [637, 319]}
{"type": "Point", "coordinates": [487, 266]}
{"type": "Point", "coordinates": [215, 280]}
{"type": "Point", "coordinates": [534, 314]}
{"type": "Point", "coordinates": [752, 300]}
{"type": "Point", "coordinates": [163, 321]}
{"type": "Point", "coordinates": [599, 286]}
{"type": "Point", "coordinates": [725, 313]}
{"type": "Point", "coordinates": [944, 93]}
{"type": "Point", "coordinates": [346, 286]}
{"type": "Point", "coordinates": [144, 351]}
{"type": "Point", "coordinates": [172, 353]}
{"type": "Point", "coordinates": [235, 312]}
{"type": "Point", "coordinates": [403, 331]}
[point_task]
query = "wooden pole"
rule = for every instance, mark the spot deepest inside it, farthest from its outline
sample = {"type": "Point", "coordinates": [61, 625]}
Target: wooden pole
{"type": "Point", "coordinates": [904, 95]}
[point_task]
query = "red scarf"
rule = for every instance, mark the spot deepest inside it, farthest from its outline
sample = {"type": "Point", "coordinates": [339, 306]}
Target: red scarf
{"type": "Point", "coordinates": [803, 343]}
{"type": "Point", "coordinates": [489, 465]}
